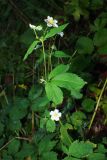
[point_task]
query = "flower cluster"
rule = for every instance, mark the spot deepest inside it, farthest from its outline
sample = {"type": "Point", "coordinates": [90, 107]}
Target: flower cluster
{"type": "Point", "coordinates": [50, 23]}
{"type": "Point", "coordinates": [37, 28]}
{"type": "Point", "coordinates": [55, 115]}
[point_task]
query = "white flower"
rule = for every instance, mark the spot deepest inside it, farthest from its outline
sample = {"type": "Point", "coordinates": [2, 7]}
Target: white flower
{"type": "Point", "coordinates": [38, 28]}
{"type": "Point", "coordinates": [53, 47]}
{"type": "Point", "coordinates": [42, 80]}
{"type": "Point", "coordinates": [55, 115]}
{"type": "Point", "coordinates": [61, 34]}
{"type": "Point", "coordinates": [32, 26]}
{"type": "Point", "coordinates": [51, 22]}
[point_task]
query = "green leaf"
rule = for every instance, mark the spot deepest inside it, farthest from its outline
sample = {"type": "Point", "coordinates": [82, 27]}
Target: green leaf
{"type": "Point", "coordinates": [102, 50]}
{"type": "Point", "coordinates": [21, 103]}
{"type": "Point", "coordinates": [40, 104]}
{"type": "Point", "coordinates": [76, 94]}
{"type": "Point", "coordinates": [99, 23]}
{"type": "Point", "coordinates": [77, 119]}
{"type": "Point", "coordinates": [69, 81]}
{"type": "Point", "coordinates": [54, 93]}
{"type": "Point", "coordinates": [14, 125]}
{"type": "Point", "coordinates": [19, 109]}
{"type": "Point", "coordinates": [61, 54]}
{"type": "Point", "coordinates": [55, 31]}
{"type": "Point", "coordinates": [50, 125]}
{"type": "Point", "coordinates": [35, 92]}
{"type": "Point", "coordinates": [58, 70]}
{"type": "Point", "coordinates": [104, 140]}
{"type": "Point", "coordinates": [30, 49]}
{"type": "Point", "coordinates": [97, 156]}
{"type": "Point", "coordinates": [2, 141]}
{"type": "Point", "coordinates": [47, 155]}
{"type": "Point", "coordinates": [43, 122]}
{"type": "Point", "coordinates": [13, 147]}
{"type": "Point", "coordinates": [26, 150]}
{"type": "Point", "coordinates": [104, 107]}
{"type": "Point", "coordinates": [16, 113]}
{"type": "Point", "coordinates": [100, 38]}
{"type": "Point", "coordinates": [7, 157]}
{"type": "Point", "coordinates": [1, 128]}
{"type": "Point", "coordinates": [65, 138]}
{"type": "Point", "coordinates": [65, 149]}
{"type": "Point", "coordinates": [96, 4]}
{"type": "Point", "coordinates": [70, 158]}
{"type": "Point", "coordinates": [80, 149]}
{"type": "Point", "coordinates": [46, 145]}
{"type": "Point", "coordinates": [101, 149]}
{"type": "Point", "coordinates": [88, 104]}
{"type": "Point", "coordinates": [84, 45]}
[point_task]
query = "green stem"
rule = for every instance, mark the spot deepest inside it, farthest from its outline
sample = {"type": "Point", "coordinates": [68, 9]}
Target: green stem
{"type": "Point", "coordinates": [45, 31]}
{"type": "Point", "coordinates": [33, 123]}
{"type": "Point", "coordinates": [5, 97]}
{"type": "Point", "coordinates": [105, 121]}
{"type": "Point", "coordinates": [50, 60]}
{"type": "Point", "coordinates": [97, 105]}
{"type": "Point", "coordinates": [72, 56]}
{"type": "Point", "coordinates": [44, 57]}
{"type": "Point", "coordinates": [36, 34]}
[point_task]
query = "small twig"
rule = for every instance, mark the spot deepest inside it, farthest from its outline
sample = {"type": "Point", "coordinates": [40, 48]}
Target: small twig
{"type": "Point", "coordinates": [21, 138]}
{"type": "Point", "coordinates": [72, 56]}
{"type": "Point", "coordinates": [7, 144]}
{"type": "Point", "coordinates": [97, 105]}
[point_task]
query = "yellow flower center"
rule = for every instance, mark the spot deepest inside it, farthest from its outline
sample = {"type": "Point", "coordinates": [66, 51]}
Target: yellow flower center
{"type": "Point", "coordinates": [51, 21]}
{"type": "Point", "coordinates": [55, 114]}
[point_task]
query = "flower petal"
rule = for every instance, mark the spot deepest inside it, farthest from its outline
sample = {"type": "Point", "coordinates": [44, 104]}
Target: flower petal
{"type": "Point", "coordinates": [51, 113]}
